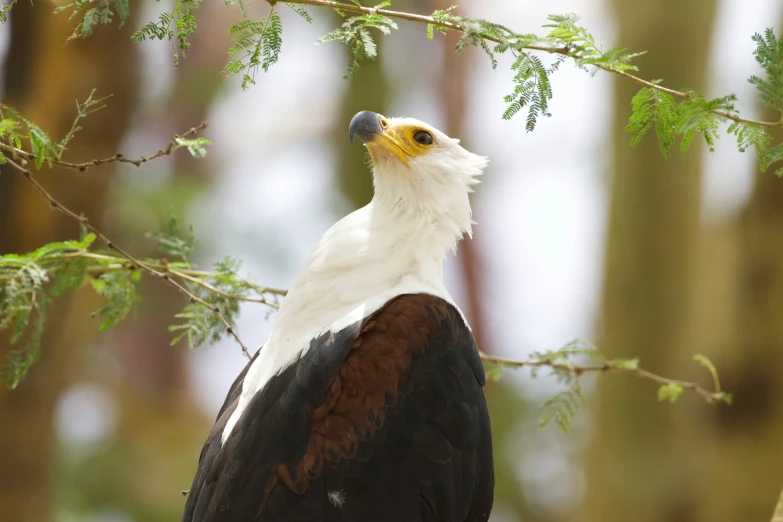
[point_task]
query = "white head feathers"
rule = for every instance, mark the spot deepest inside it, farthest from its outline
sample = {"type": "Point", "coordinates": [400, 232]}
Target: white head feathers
{"type": "Point", "coordinates": [434, 185]}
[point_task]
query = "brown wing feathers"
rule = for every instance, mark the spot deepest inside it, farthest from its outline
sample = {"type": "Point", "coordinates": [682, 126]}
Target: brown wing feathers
{"type": "Point", "coordinates": [368, 381]}
{"type": "Point", "coordinates": [385, 420]}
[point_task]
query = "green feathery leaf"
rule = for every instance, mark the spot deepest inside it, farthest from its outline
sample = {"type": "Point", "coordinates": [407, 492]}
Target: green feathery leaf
{"type": "Point", "coordinates": [257, 44]}
{"type": "Point", "coordinates": [769, 55]}
{"type": "Point", "coordinates": [174, 242]}
{"type": "Point", "coordinates": [562, 408]}
{"type": "Point", "coordinates": [301, 12]}
{"type": "Point", "coordinates": [651, 107]}
{"type": "Point", "coordinates": [355, 34]}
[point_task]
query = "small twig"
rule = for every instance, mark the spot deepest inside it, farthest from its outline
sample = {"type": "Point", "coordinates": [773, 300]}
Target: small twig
{"type": "Point", "coordinates": [216, 290]}
{"type": "Point", "coordinates": [119, 157]}
{"type": "Point", "coordinates": [423, 19]}
{"type": "Point", "coordinates": [163, 275]}
{"type": "Point", "coordinates": [605, 367]}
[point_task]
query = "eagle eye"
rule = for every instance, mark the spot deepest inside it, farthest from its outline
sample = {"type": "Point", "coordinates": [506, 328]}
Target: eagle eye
{"type": "Point", "coordinates": [423, 137]}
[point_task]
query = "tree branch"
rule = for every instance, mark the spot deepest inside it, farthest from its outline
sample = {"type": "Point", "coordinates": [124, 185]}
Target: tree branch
{"type": "Point", "coordinates": [110, 264]}
{"type": "Point", "coordinates": [161, 274]}
{"type": "Point", "coordinates": [564, 51]}
{"type": "Point", "coordinates": [606, 366]}
{"type": "Point", "coordinates": [119, 157]}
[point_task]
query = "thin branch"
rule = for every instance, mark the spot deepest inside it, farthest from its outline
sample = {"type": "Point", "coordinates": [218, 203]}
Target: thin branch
{"type": "Point", "coordinates": [138, 264]}
{"type": "Point", "coordinates": [605, 367]}
{"type": "Point", "coordinates": [215, 290]}
{"type": "Point", "coordinates": [119, 157]}
{"type": "Point", "coordinates": [423, 19]}
{"type": "Point", "coordinates": [116, 264]}
{"type": "Point", "coordinates": [121, 263]}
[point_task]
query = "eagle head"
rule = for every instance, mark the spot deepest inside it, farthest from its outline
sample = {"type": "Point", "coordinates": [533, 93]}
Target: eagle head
{"type": "Point", "coordinates": [419, 170]}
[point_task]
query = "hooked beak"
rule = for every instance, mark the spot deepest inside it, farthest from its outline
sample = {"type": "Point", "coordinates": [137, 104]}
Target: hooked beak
{"type": "Point", "coordinates": [366, 124]}
{"type": "Point", "coordinates": [379, 136]}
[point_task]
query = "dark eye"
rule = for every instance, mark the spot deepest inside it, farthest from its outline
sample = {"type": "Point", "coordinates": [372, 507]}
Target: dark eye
{"type": "Point", "coordinates": [423, 137]}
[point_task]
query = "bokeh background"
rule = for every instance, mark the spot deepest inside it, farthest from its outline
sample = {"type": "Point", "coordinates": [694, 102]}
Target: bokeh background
{"type": "Point", "coordinates": [578, 236]}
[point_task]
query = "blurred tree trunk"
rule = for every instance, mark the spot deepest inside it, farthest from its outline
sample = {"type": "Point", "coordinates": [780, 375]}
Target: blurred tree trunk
{"type": "Point", "coordinates": [738, 447]}
{"type": "Point", "coordinates": [744, 458]}
{"type": "Point", "coordinates": [43, 76]}
{"type": "Point", "coordinates": [633, 468]}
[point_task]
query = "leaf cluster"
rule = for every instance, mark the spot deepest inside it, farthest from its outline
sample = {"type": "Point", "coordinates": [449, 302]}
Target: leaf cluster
{"type": "Point", "coordinates": [769, 55]}
{"type": "Point", "coordinates": [532, 89]}
{"type": "Point", "coordinates": [223, 288]}
{"type": "Point", "coordinates": [672, 119]}
{"type": "Point", "coordinates": [685, 117]}
{"type": "Point", "coordinates": [532, 79]}
{"type": "Point", "coordinates": [200, 324]}
{"type": "Point", "coordinates": [356, 35]}
{"type": "Point", "coordinates": [15, 129]}
{"type": "Point", "coordinates": [196, 146]}
{"type": "Point", "coordinates": [562, 407]}
{"type": "Point", "coordinates": [4, 9]}
{"type": "Point", "coordinates": [94, 13]}
{"type": "Point", "coordinates": [578, 43]}
{"type": "Point", "coordinates": [177, 25]}
{"type": "Point", "coordinates": [28, 284]}
{"type": "Point", "coordinates": [257, 44]}
{"type": "Point", "coordinates": [569, 363]}
{"type": "Point", "coordinates": [677, 116]}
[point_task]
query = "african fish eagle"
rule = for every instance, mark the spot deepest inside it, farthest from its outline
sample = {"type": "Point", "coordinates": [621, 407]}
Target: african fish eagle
{"type": "Point", "coordinates": [366, 404]}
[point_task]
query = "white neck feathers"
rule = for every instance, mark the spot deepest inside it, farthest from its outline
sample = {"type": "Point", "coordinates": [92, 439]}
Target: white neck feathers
{"type": "Point", "coordinates": [394, 245]}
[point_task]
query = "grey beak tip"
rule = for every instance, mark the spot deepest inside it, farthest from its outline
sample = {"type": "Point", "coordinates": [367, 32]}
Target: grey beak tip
{"type": "Point", "coordinates": [365, 124]}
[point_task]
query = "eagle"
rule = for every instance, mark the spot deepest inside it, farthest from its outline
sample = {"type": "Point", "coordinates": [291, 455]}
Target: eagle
{"type": "Point", "coordinates": [366, 403]}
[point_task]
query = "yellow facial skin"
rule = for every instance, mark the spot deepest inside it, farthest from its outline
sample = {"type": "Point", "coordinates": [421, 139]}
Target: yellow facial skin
{"type": "Point", "coordinates": [397, 140]}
